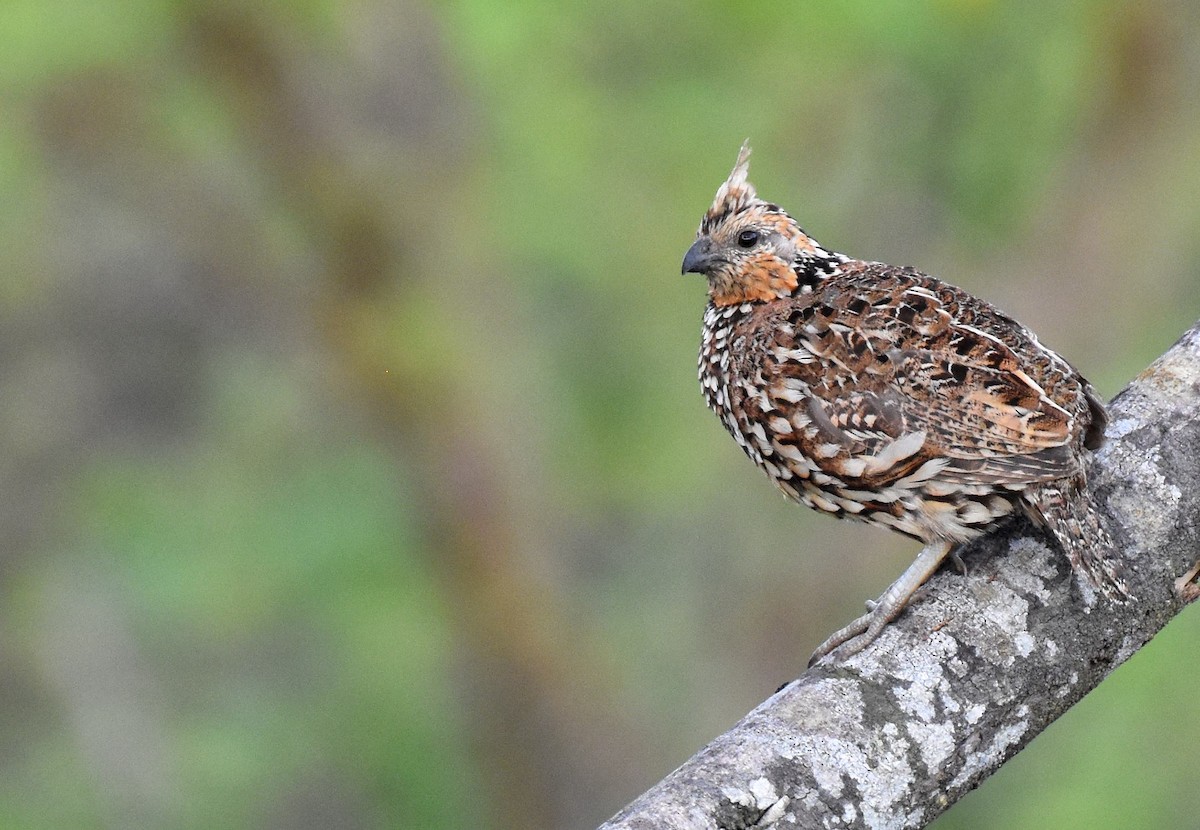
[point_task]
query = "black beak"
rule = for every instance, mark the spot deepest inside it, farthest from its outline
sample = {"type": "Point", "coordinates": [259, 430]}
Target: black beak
{"type": "Point", "coordinates": [699, 257]}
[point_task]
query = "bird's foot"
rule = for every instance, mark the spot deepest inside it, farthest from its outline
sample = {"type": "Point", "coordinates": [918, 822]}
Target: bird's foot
{"type": "Point", "coordinates": [850, 639]}
{"type": "Point", "coordinates": [859, 634]}
{"type": "Point", "coordinates": [956, 558]}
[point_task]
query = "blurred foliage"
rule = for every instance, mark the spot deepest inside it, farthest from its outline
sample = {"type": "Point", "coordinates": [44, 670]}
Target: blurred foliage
{"type": "Point", "coordinates": [355, 469]}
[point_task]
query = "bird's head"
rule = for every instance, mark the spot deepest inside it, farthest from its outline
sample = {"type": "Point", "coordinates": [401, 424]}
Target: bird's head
{"type": "Point", "coordinates": [748, 248]}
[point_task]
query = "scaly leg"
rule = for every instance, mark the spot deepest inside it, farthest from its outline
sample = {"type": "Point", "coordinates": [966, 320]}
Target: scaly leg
{"type": "Point", "coordinates": [859, 634]}
{"type": "Point", "coordinates": [956, 558]}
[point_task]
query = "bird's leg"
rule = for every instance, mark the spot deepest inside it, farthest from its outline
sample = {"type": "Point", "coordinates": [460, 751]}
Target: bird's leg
{"type": "Point", "coordinates": [858, 635]}
{"type": "Point", "coordinates": [956, 558]}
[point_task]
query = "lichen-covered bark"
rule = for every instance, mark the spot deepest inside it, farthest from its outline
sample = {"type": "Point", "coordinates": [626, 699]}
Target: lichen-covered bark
{"type": "Point", "coordinates": [977, 666]}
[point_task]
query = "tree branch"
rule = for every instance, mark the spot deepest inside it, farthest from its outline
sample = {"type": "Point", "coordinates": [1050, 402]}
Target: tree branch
{"type": "Point", "coordinates": [977, 666]}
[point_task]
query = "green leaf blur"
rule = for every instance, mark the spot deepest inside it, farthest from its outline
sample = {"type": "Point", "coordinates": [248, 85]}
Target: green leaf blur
{"type": "Point", "coordinates": [355, 469]}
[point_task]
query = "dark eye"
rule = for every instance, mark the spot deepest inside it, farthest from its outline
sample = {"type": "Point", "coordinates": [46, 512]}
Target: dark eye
{"type": "Point", "coordinates": [748, 239]}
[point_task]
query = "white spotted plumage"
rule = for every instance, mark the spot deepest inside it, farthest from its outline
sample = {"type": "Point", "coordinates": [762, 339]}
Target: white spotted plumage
{"type": "Point", "coordinates": [883, 394]}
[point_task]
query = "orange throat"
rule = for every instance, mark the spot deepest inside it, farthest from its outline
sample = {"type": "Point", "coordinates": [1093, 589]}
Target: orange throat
{"type": "Point", "coordinates": [762, 279]}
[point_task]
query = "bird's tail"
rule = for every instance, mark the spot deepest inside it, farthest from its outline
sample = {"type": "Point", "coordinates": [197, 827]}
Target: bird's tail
{"type": "Point", "coordinates": [1065, 511]}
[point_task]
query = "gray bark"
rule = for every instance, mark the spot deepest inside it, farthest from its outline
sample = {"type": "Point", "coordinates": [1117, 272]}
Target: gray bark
{"type": "Point", "coordinates": [977, 666]}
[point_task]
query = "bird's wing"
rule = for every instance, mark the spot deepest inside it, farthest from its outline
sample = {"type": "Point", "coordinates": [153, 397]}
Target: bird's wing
{"type": "Point", "coordinates": [898, 368]}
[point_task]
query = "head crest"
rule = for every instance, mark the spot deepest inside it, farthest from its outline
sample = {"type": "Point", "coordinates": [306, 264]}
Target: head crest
{"type": "Point", "coordinates": [735, 194]}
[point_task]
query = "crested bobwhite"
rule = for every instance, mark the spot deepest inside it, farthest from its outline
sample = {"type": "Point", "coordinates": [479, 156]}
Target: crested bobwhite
{"type": "Point", "coordinates": [882, 394]}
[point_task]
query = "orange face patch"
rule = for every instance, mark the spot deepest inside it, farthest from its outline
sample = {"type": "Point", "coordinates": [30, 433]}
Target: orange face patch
{"type": "Point", "coordinates": [761, 277]}
{"type": "Point", "coordinates": [785, 226]}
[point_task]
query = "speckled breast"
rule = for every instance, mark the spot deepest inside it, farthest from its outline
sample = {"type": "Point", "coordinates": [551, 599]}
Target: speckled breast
{"type": "Point", "coordinates": [916, 505]}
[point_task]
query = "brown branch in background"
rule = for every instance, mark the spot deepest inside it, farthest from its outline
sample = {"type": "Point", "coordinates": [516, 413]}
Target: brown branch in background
{"type": "Point", "coordinates": [523, 650]}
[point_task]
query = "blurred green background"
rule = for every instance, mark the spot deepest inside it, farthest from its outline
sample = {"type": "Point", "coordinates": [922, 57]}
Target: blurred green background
{"type": "Point", "coordinates": [355, 471]}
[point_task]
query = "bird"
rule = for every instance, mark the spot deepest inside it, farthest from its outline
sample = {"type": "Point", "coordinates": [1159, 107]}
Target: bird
{"type": "Point", "coordinates": [882, 394]}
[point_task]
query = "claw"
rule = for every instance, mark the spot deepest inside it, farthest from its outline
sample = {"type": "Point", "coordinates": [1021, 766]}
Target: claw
{"type": "Point", "coordinates": [956, 558]}
{"type": "Point", "coordinates": [1186, 587]}
{"type": "Point", "coordinates": [859, 634]}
